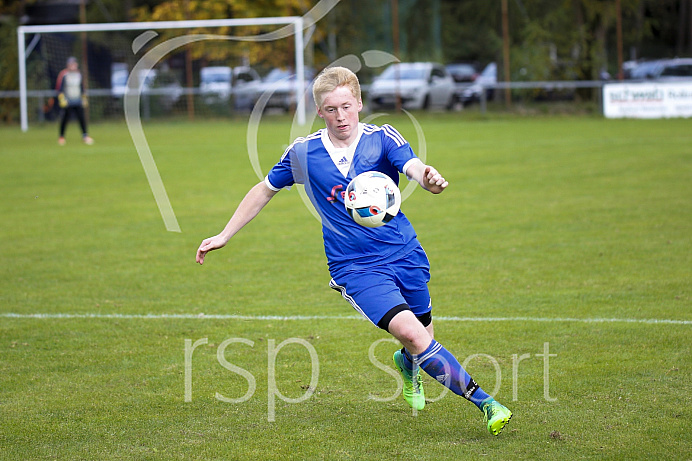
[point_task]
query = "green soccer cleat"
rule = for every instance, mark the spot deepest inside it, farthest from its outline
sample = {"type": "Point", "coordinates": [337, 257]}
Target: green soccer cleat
{"type": "Point", "coordinates": [413, 388]}
{"type": "Point", "coordinates": [496, 415]}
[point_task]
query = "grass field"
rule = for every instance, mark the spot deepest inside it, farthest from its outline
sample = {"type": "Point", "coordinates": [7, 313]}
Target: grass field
{"type": "Point", "coordinates": [561, 269]}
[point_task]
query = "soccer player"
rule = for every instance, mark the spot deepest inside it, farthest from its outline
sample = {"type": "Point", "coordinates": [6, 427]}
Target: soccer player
{"type": "Point", "coordinates": [383, 272]}
{"type": "Point", "coordinates": [71, 99]}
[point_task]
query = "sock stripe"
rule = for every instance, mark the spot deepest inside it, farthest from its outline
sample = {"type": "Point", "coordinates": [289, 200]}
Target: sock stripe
{"type": "Point", "coordinates": [439, 363]}
{"type": "Point", "coordinates": [433, 349]}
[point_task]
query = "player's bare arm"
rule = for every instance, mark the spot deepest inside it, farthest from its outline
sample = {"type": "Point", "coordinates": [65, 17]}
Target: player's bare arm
{"type": "Point", "coordinates": [248, 208]}
{"type": "Point", "coordinates": [427, 176]}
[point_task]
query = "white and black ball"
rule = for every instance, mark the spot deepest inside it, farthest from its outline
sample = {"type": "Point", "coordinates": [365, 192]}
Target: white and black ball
{"type": "Point", "coordinates": [372, 199]}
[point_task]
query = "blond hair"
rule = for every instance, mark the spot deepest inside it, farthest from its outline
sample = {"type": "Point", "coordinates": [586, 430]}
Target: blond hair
{"type": "Point", "coordinates": [330, 79]}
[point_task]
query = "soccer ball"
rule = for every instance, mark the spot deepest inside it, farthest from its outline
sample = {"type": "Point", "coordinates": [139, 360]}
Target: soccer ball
{"type": "Point", "coordinates": [372, 199]}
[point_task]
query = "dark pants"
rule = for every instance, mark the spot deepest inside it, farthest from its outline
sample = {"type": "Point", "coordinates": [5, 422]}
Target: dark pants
{"type": "Point", "coordinates": [67, 112]}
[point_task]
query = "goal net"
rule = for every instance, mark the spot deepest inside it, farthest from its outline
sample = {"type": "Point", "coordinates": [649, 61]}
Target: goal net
{"type": "Point", "coordinates": [187, 69]}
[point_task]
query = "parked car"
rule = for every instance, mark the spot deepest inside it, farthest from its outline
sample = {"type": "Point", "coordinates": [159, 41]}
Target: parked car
{"type": "Point", "coordinates": [641, 70]}
{"type": "Point", "coordinates": [162, 85]}
{"type": "Point", "coordinates": [119, 78]}
{"type": "Point", "coordinates": [246, 84]}
{"type": "Point", "coordinates": [218, 84]}
{"type": "Point", "coordinates": [463, 73]}
{"type": "Point", "coordinates": [420, 85]}
{"type": "Point", "coordinates": [486, 78]}
{"type": "Point", "coordinates": [672, 70]}
{"type": "Point", "coordinates": [215, 84]}
{"type": "Point", "coordinates": [165, 86]}
{"type": "Point", "coordinates": [280, 85]}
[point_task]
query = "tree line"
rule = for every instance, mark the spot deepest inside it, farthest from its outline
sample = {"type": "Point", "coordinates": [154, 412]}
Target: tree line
{"type": "Point", "coordinates": [547, 39]}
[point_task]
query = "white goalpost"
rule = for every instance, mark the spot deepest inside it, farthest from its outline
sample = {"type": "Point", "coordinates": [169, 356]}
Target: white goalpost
{"type": "Point", "coordinates": [296, 22]}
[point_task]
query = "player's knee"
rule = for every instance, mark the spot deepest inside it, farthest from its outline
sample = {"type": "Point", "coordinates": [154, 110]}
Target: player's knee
{"type": "Point", "coordinates": [415, 339]}
{"type": "Point", "coordinates": [410, 331]}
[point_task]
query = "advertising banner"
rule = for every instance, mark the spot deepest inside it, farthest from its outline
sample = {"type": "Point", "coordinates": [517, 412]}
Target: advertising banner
{"type": "Point", "coordinates": [647, 100]}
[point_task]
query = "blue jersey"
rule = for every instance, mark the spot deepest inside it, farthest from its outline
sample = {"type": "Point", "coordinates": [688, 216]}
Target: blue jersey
{"type": "Point", "coordinates": [325, 171]}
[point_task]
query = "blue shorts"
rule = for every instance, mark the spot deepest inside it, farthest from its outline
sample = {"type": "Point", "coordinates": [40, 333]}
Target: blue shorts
{"type": "Point", "coordinates": [374, 291]}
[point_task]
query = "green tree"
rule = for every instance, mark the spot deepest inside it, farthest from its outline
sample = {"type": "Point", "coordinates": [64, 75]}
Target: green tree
{"type": "Point", "coordinates": [9, 75]}
{"type": "Point", "coordinates": [277, 54]}
{"type": "Point", "coordinates": [471, 31]}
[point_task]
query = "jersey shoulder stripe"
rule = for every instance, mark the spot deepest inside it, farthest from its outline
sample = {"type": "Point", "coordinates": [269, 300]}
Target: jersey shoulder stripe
{"type": "Point", "coordinates": [388, 131]}
{"type": "Point", "coordinates": [369, 128]}
{"type": "Point", "coordinates": [391, 132]}
{"type": "Point", "coordinates": [301, 140]}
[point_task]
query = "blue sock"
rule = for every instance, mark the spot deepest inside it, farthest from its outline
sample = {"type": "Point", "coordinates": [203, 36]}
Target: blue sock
{"type": "Point", "coordinates": [439, 363]}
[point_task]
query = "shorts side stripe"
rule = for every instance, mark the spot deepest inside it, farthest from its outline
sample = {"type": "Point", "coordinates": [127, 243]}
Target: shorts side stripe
{"type": "Point", "coordinates": [333, 285]}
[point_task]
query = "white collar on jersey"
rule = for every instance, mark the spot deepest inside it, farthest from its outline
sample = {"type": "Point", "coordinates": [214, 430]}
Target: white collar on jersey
{"type": "Point", "coordinates": [341, 156]}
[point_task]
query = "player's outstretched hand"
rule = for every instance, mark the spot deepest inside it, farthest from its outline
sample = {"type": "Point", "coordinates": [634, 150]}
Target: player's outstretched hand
{"type": "Point", "coordinates": [433, 180]}
{"type": "Point", "coordinates": [207, 245]}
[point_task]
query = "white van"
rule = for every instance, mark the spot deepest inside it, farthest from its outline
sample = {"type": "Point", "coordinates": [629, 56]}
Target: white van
{"type": "Point", "coordinates": [215, 84]}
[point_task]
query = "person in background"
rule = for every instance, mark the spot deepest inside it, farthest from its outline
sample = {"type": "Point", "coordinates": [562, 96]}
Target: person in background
{"type": "Point", "coordinates": [71, 99]}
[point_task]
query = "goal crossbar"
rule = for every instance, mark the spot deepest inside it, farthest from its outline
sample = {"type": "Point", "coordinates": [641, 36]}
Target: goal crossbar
{"type": "Point", "coordinates": [296, 21]}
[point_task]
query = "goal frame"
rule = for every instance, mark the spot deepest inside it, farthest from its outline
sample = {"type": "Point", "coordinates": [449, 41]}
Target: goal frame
{"type": "Point", "coordinates": [296, 21]}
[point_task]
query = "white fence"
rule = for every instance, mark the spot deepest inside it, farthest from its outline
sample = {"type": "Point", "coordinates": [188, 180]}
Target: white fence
{"type": "Point", "coordinates": [616, 100]}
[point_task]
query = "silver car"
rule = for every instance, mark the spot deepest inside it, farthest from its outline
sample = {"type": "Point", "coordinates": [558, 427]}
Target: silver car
{"type": "Point", "coordinates": [278, 89]}
{"type": "Point", "coordinates": [420, 85]}
{"type": "Point", "coordinates": [673, 70]}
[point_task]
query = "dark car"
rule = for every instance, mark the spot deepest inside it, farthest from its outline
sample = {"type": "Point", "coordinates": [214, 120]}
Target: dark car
{"type": "Point", "coordinates": [485, 81]}
{"type": "Point", "coordinates": [463, 72]}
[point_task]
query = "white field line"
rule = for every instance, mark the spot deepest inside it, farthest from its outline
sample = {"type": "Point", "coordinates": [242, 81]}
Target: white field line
{"type": "Point", "coordinates": [335, 317]}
